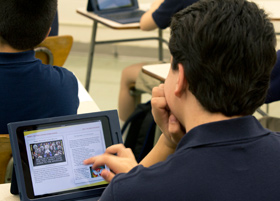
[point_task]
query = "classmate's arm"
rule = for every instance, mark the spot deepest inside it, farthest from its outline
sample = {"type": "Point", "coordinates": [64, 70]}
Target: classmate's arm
{"type": "Point", "coordinates": [147, 22]}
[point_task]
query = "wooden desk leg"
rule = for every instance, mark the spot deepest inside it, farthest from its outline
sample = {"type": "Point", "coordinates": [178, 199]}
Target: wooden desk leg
{"type": "Point", "coordinates": [91, 54]}
{"type": "Point", "coordinates": [160, 50]}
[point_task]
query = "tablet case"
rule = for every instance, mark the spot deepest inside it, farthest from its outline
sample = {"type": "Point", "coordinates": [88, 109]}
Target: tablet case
{"type": "Point", "coordinates": [112, 115]}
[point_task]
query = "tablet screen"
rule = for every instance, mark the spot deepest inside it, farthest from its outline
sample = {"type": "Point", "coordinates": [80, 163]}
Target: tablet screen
{"type": "Point", "coordinates": [113, 4]}
{"type": "Point", "coordinates": [53, 155]}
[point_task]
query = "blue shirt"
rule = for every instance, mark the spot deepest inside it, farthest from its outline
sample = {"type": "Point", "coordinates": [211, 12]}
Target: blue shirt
{"type": "Point", "coordinates": [231, 160]}
{"type": "Point", "coordinates": [32, 90]}
{"type": "Point", "coordinates": [162, 16]}
{"type": "Point", "coordinates": [274, 89]}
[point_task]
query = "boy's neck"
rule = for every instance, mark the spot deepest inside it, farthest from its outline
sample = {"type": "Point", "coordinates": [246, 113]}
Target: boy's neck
{"type": "Point", "coordinates": [8, 49]}
{"type": "Point", "coordinates": [196, 115]}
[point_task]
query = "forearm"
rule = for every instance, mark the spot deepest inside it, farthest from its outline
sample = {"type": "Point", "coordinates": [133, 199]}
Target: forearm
{"type": "Point", "coordinates": [159, 153]}
{"type": "Point", "coordinates": [147, 22]}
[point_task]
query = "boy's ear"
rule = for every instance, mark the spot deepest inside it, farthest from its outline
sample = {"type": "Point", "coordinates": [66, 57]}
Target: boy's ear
{"type": "Point", "coordinates": [48, 33]}
{"type": "Point", "coordinates": [181, 82]}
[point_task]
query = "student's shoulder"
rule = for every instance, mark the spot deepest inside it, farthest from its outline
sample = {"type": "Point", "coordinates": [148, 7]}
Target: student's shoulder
{"type": "Point", "coordinates": [59, 78]}
{"type": "Point", "coordinates": [59, 73]}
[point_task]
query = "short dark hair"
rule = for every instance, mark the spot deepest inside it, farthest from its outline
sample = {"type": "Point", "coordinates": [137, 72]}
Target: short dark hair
{"type": "Point", "coordinates": [25, 23]}
{"type": "Point", "coordinates": [227, 48]}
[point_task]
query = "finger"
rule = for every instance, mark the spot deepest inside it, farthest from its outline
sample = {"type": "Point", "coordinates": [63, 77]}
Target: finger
{"type": "Point", "coordinates": [114, 149]}
{"type": "Point", "coordinates": [107, 175]}
{"type": "Point", "coordinates": [104, 159]}
{"type": "Point", "coordinates": [98, 161]}
{"type": "Point", "coordinates": [158, 103]}
{"type": "Point", "coordinates": [158, 91]}
{"type": "Point", "coordinates": [121, 151]}
{"type": "Point", "coordinates": [89, 161]}
{"type": "Point", "coordinates": [115, 163]}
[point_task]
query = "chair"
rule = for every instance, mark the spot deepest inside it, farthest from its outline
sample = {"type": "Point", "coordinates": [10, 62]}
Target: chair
{"type": "Point", "coordinates": [54, 50]}
{"type": "Point", "coordinates": [5, 155]}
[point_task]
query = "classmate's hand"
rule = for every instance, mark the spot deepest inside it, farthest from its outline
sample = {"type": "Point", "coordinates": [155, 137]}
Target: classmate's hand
{"type": "Point", "coordinates": [122, 162]}
{"type": "Point", "coordinates": [166, 121]}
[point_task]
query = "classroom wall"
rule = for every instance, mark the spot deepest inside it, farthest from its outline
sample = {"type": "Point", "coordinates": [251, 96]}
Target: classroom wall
{"type": "Point", "coordinates": [80, 27]}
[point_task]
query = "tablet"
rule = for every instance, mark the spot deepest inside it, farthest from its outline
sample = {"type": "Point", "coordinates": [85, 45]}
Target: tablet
{"type": "Point", "coordinates": [48, 155]}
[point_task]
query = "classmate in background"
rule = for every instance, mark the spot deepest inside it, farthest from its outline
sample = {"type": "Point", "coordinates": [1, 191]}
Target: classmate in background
{"type": "Point", "coordinates": [28, 88]}
{"type": "Point", "coordinates": [54, 26]}
{"type": "Point", "coordinates": [212, 148]}
{"type": "Point", "coordinates": [274, 89]}
{"type": "Point", "coordinates": [158, 16]}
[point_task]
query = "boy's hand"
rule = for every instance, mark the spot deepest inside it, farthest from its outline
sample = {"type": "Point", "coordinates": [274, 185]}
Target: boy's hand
{"type": "Point", "coordinates": [166, 121]}
{"type": "Point", "coordinates": [122, 162]}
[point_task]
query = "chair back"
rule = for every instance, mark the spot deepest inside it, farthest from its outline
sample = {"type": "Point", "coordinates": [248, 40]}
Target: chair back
{"type": "Point", "coordinates": [5, 155]}
{"type": "Point", "coordinates": [54, 50]}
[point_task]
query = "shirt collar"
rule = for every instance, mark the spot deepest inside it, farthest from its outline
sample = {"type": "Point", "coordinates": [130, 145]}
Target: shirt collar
{"type": "Point", "coordinates": [18, 57]}
{"type": "Point", "coordinates": [223, 131]}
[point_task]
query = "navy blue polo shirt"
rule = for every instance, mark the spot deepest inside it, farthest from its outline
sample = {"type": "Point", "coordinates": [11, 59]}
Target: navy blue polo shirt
{"type": "Point", "coordinates": [231, 160]}
{"type": "Point", "coordinates": [162, 16]}
{"type": "Point", "coordinates": [32, 90]}
{"type": "Point", "coordinates": [274, 89]}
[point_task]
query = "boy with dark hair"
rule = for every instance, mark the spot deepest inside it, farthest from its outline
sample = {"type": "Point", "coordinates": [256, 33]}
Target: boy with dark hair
{"type": "Point", "coordinates": [30, 89]}
{"type": "Point", "coordinates": [223, 52]}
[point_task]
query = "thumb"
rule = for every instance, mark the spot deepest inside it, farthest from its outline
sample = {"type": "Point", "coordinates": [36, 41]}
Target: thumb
{"type": "Point", "coordinates": [107, 175]}
{"type": "Point", "coordinates": [175, 129]}
{"type": "Point", "coordinates": [174, 125]}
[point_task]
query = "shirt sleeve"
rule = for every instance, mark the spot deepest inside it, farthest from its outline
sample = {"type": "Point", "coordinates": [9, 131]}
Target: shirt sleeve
{"type": "Point", "coordinates": [274, 88]}
{"type": "Point", "coordinates": [162, 16]}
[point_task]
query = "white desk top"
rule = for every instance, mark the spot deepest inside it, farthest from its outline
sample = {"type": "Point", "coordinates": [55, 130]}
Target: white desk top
{"type": "Point", "coordinates": [87, 104]}
{"type": "Point", "coordinates": [158, 71]}
{"type": "Point", "coordinates": [5, 194]}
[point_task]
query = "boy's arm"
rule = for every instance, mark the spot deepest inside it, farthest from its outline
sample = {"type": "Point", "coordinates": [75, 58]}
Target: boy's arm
{"type": "Point", "coordinates": [147, 22]}
{"type": "Point", "coordinates": [159, 153]}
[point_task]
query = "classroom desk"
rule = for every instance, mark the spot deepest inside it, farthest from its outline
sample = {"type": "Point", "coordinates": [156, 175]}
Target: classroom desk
{"type": "Point", "coordinates": [5, 194]}
{"type": "Point", "coordinates": [87, 104]}
{"type": "Point", "coordinates": [113, 25]}
{"type": "Point", "coordinates": [158, 71]}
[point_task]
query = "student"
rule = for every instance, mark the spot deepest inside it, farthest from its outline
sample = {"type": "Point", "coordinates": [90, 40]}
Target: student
{"type": "Point", "coordinates": [222, 54]}
{"type": "Point", "coordinates": [30, 89]}
{"type": "Point", "coordinates": [54, 26]}
{"type": "Point", "coordinates": [158, 16]}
